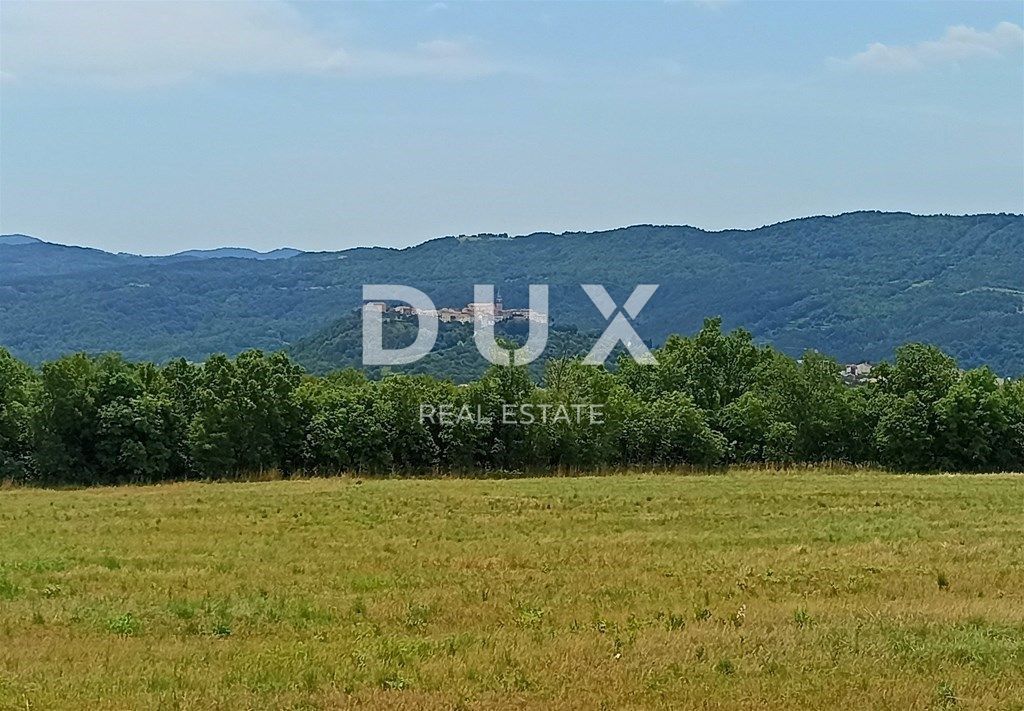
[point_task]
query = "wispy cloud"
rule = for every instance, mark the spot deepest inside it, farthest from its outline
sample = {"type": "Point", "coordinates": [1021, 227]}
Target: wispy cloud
{"type": "Point", "coordinates": [958, 44]}
{"type": "Point", "coordinates": [440, 58]}
{"type": "Point", "coordinates": [139, 44]}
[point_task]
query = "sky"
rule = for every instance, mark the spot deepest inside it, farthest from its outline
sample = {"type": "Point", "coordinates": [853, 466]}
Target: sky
{"type": "Point", "coordinates": [154, 127]}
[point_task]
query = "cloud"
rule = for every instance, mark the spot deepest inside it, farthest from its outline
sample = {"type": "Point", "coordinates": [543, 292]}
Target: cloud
{"type": "Point", "coordinates": [137, 44]}
{"type": "Point", "coordinates": [440, 58]}
{"type": "Point", "coordinates": [958, 44]}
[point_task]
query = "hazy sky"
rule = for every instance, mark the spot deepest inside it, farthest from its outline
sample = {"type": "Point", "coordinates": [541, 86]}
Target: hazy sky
{"type": "Point", "coordinates": [152, 127]}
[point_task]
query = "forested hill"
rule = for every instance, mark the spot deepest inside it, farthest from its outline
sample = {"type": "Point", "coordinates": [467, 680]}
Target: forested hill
{"type": "Point", "coordinates": [854, 286]}
{"type": "Point", "coordinates": [455, 355]}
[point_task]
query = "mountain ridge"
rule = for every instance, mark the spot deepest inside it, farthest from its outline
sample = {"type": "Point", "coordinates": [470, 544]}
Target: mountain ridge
{"type": "Point", "coordinates": [291, 251]}
{"type": "Point", "coordinates": [18, 240]}
{"type": "Point", "coordinates": [854, 285]}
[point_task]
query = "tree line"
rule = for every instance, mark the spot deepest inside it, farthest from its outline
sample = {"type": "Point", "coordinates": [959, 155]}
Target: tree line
{"type": "Point", "coordinates": [714, 398]}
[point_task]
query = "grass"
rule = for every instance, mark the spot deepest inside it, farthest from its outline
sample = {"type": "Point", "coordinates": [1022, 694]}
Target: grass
{"type": "Point", "coordinates": [740, 590]}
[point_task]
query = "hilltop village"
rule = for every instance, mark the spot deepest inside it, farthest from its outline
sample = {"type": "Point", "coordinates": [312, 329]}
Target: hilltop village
{"type": "Point", "coordinates": [493, 313]}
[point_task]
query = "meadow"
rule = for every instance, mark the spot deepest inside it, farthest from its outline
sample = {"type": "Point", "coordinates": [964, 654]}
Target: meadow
{"type": "Point", "coordinates": [742, 589]}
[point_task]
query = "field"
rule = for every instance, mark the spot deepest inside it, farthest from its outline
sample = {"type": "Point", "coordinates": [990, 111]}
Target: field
{"type": "Point", "coordinates": [808, 589]}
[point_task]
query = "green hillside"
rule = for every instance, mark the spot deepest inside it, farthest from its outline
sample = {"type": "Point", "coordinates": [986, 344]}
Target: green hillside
{"type": "Point", "coordinates": [454, 356]}
{"type": "Point", "coordinates": [854, 285]}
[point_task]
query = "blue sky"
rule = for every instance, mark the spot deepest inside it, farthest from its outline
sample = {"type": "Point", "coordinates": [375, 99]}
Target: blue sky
{"type": "Point", "coordinates": [154, 127]}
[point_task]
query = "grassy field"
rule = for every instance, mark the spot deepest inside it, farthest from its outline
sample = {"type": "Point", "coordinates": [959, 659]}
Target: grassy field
{"type": "Point", "coordinates": [740, 590]}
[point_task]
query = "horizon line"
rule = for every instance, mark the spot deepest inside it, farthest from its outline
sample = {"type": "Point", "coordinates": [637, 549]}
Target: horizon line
{"type": "Point", "coordinates": [428, 240]}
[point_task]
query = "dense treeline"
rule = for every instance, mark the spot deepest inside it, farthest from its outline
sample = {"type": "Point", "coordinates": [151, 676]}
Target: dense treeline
{"type": "Point", "coordinates": [713, 398]}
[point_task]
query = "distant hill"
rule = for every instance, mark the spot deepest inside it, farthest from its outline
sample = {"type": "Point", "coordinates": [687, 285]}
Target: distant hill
{"type": "Point", "coordinates": [238, 253]}
{"type": "Point", "coordinates": [16, 240]}
{"type": "Point", "coordinates": [25, 256]}
{"type": "Point", "coordinates": [454, 356]}
{"type": "Point", "coordinates": [853, 285]}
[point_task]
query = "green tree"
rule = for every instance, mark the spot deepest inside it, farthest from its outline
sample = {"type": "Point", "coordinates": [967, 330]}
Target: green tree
{"type": "Point", "coordinates": [905, 432]}
{"type": "Point", "coordinates": [668, 430]}
{"type": "Point", "coordinates": [346, 429]}
{"type": "Point", "coordinates": [413, 445]}
{"type": "Point", "coordinates": [17, 406]}
{"type": "Point", "coordinates": [810, 395]}
{"type": "Point", "coordinates": [712, 367]}
{"type": "Point", "coordinates": [908, 433]}
{"type": "Point", "coordinates": [972, 421]}
{"type": "Point", "coordinates": [103, 420]}
{"type": "Point", "coordinates": [493, 400]}
{"type": "Point", "coordinates": [1010, 452]}
{"type": "Point", "coordinates": [248, 417]}
{"type": "Point", "coordinates": [590, 437]}
{"type": "Point", "coordinates": [746, 423]}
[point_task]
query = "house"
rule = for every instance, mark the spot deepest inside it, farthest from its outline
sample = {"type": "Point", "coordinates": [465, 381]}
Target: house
{"type": "Point", "coordinates": [488, 312]}
{"type": "Point", "coordinates": [854, 373]}
{"type": "Point", "coordinates": [448, 315]}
